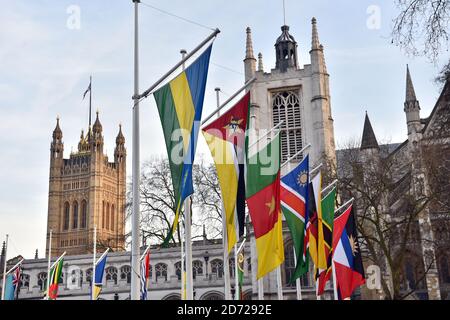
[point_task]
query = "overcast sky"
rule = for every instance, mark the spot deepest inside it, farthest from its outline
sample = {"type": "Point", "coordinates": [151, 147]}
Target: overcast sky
{"type": "Point", "coordinates": [46, 60]}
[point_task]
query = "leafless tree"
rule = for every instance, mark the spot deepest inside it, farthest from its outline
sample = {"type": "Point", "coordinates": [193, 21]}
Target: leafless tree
{"type": "Point", "coordinates": [421, 28]}
{"type": "Point", "coordinates": [158, 205]}
{"type": "Point", "coordinates": [388, 205]}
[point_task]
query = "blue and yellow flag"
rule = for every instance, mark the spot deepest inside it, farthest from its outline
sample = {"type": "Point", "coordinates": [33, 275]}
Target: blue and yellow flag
{"type": "Point", "coordinates": [180, 105]}
{"type": "Point", "coordinates": [98, 281]}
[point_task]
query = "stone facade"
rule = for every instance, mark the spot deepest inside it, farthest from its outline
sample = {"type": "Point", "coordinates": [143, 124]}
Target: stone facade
{"type": "Point", "coordinates": [298, 96]}
{"type": "Point", "coordinates": [86, 190]}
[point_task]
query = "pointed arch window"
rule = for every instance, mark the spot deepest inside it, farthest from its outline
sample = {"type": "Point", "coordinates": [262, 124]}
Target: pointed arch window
{"type": "Point", "coordinates": [286, 107]}
{"type": "Point", "coordinates": [112, 217]}
{"type": "Point", "coordinates": [66, 219]}
{"type": "Point", "coordinates": [83, 222]}
{"type": "Point", "coordinates": [107, 215]}
{"type": "Point", "coordinates": [75, 216]}
{"type": "Point", "coordinates": [103, 215]}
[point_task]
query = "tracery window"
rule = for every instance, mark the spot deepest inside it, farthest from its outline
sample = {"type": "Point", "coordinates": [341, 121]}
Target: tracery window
{"type": "Point", "coordinates": [66, 216]}
{"type": "Point", "coordinates": [111, 274]}
{"type": "Point", "coordinates": [197, 268]}
{"type": "Point", "coordinates": [161, 271]}
{"type": "Point", "coordinates": [75, 216]}
{"type": "Point", "coordinates": [83, 223]}
{"type": "Point", "coordinates": [112, 217]}
{"type": "Point", "coordinates": [289, 264]}
{"type": "Point", "coordinates": [42, 280]}
{"type": "Point", "coordinates": [125, 273]}
{"type": "Point", "coordinates": [217, 268]}
{"type": "Point", "coordinates": [178, 269]}
{"type": "Point", "coordinates": [286, 107]}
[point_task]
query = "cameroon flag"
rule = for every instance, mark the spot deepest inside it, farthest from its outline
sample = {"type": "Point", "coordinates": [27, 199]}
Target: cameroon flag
{"type": "Point", "coordinates": [180, 105]}
{"type": "Point", "coordinates": [263, 200]}
{"type": "Point", "coordinates": [226, 140]}
{"type": "Point", "coordinates": [55, 279]}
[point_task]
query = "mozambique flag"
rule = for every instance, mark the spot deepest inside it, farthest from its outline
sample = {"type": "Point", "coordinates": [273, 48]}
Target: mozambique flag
{"type": "Point", "coordinates": [55, 279]}
{"type": "Point", "coordinates": [98, 281]}
{"type": "Point", "coordinates": [226, 140]}
{"type": "Point", "coordinates": [180, 105]}
{"type": "Point", "coordinates": [241, 259]}
{"type": "Point", "coordinates": [312, 226]}
{"type": "Point", "coordinates": [326, 239]}
{"type": "Point", "coordinates": [263, 200]}
{"type": "Point", "coordinates": [294, 197]}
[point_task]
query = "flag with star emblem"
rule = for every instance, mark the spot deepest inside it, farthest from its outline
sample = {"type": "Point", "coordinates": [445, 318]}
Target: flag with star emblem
{"type": "Point", "coordinates": [263, 200]}
{"type": "Point", "coordinates": [226, 140]}
{"type": "Point", "coordinates": [294, 197]}
{"type": "Point", "coordinates": [347, 255]}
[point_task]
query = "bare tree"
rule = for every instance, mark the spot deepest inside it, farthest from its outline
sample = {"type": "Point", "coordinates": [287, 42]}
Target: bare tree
{"type": "Point", "coordinates": [421, 28]}
{"type": "Point", "coordinates": [158, 206]}
{"type": "Point", "coordinates": [388, 204]}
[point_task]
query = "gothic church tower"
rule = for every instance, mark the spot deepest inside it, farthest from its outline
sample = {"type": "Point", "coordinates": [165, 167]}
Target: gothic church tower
{"type": "Point", "coordinates": [298, 96]}
{"type": "Point", "coordinates": [86, 190]}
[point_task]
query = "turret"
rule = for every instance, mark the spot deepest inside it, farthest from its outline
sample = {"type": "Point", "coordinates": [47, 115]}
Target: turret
{"type": "Point", "coordinates": [120, 151]}
{"type": "Point", "coordinates": [412, 106]}
{"type": "Point", "coordinates": [249, 61]}
{"type": "Point", "coordinates": [57, 145]}
{"type": "Point", "coordinates": [286, 51]}
{"type": "Point", "coordinates": [97, 137]}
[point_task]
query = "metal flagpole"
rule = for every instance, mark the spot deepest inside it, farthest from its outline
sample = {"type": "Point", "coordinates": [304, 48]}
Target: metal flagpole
{"type": "Point", "coordinates": [90, 105]}
{"type": "Point", "coordinates": [261, 289]}
{"type": "Point", "coordinates": [187, 232]}
{"type": "Point", "coordinates": [4, 267]}
{"type": "Point", "coordinates": [236, 277]}
{"type": "Point", "coordinates": [268, 133]}
{"type": "Point", "coordinates": [49, 260]}
{"type": "Point", "coordinates": [183, 275]}
{"type": "Point", "coordinates": [135, 232]}
{"type": "Point", "coordinates": [279, 284]}
{"type": "Point", "coordinates": [226, 265]}
{"type": "Point", "coordinates": [334, 280]}
{"type": "Point", "coordinates": [94, 262]}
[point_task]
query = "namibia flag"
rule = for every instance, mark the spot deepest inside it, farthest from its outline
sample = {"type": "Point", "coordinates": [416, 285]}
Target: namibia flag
{"type": "Point", "coordinates": [180, 105]}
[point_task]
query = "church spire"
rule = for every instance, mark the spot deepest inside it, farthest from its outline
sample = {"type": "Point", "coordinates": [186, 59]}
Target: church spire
{"type": "Point", "coordinates": [410, 92]}
{"type": "Point", "coordinates": [249, 61]}
{"type": "Point", "coordinates": [368, 141]}
{"type": "Point", "coordinates": [412, 106]}
{"type": "Point", "coordinates": [315, 43]}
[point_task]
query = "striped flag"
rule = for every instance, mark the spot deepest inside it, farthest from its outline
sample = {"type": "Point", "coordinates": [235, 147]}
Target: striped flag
{"type": "Point", "coordinates": [145, 274]}
{"type": "Point", "coordinates": [294, 198]}
{"type": "Point", "coordinates": [263, 200]}
{"type": "Point", "coordinates": [226, 140]}
{"type": "Point", "coordinates": [312, 226]}
{"type": "Point", "coordinates": [55, 279]}
{"type": "Point", "coordinates": [180, 105]}
{"type": "Point", "coordinates": [99, 270]}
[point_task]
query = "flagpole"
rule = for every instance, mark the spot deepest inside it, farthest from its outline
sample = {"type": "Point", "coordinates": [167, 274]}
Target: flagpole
{"type": "Point", "coordinates": [49, 260]}
{"type": "Point", "coordinates": [90, 105]}
{"type": "Point", "coordinates": [94, 263]}
{"type": "Point", "coordinates": [226, 265]}
{"type": "Point", "coordinates": [268, 133]}
{"type": "Point", "coordinates": [135, 232]}
{"type": "Point", "coordinates": [344, 205]}
{"type": "Point", "coordinates": [187, 232]}
{"type": "Point", "coordinates": [220, 107]}
{"type": "Point", "coordinates": [13, 268]}
{"type": "Point", "coordinates": [279, 284]}
{"type": "Point", "coordinates": [334, 280]}
{"type": "Point", "coordinates": [183, 276]}
{"type": "Point", "coordinates": [4, 267]}
{"type": "Point", "coordinates": [288, 161]}
{"type": "Point", "coordinates": [261, 289]}
{"type": "Point", "coordinates": [331, 185]}
{"type": "Point", "coordinates": [236, 277]}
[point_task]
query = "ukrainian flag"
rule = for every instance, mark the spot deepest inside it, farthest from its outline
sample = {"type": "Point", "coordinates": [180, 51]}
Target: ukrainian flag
{"type": "Point", "coordinates": [180, 105]}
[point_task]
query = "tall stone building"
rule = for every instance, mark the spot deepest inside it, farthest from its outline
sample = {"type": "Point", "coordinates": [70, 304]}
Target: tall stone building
{"type": "Point", "coordinates": [418, 179]}
{"type": "Point", "coordinates": [85, 191]}
{"type": "Point", "coordinates": [298, 96]}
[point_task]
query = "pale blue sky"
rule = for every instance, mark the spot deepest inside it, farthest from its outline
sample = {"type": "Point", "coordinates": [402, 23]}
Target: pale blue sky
{"type": "Point", "coordinates": [45, 67]}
